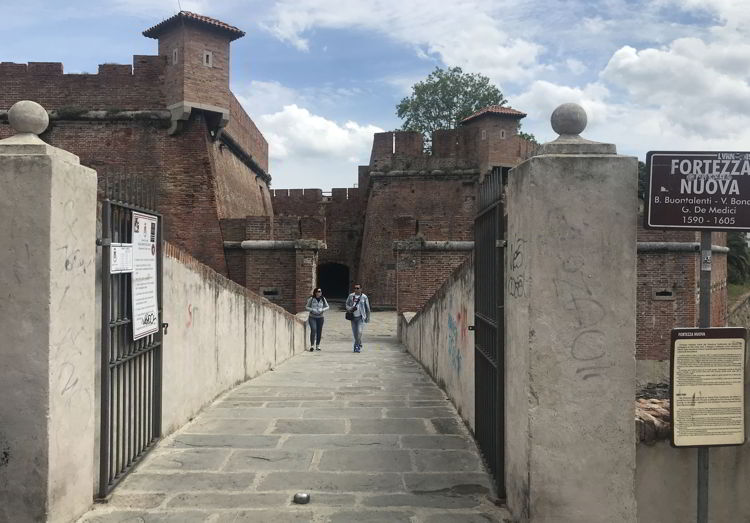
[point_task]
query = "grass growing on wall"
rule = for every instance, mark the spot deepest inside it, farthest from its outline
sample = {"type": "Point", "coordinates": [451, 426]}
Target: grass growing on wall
{"type": "Point", "coordinates": [735, 291]}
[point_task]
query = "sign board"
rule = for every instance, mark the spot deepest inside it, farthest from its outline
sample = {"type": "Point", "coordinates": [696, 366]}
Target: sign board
{"type": "Point", "coordinates": [120, 258]}
{"type": "Point", "coordinates": [707, 392]}
{"type": "Point", "coordinates": [144, 282]}
{"type": "Point", "coordinates": [698, 190]}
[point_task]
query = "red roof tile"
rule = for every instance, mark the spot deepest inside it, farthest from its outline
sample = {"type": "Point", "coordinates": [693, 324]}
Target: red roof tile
{"type": "Point", "coordinates": [156, 30]}
{"type": "Point", "coordinates": [495, 109]}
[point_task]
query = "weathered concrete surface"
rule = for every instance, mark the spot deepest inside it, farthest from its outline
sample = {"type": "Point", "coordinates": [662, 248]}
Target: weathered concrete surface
{"type": "Point", "coordinates": [219, 335]}
{"type": "Point", "coordinates": [362, 433]}
{"type": "Point", "coordinates": [570, 285]}
{"type": "Point", "coordinates": [666, 481]}
{"type": "Point", "coordinates": [439, 338]}
{"type": "Point", "coordinates": [47, 325]}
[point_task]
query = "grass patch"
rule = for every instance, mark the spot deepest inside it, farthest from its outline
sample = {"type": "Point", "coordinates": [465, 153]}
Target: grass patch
{"type": "Point", "coordinates": [735, 292]}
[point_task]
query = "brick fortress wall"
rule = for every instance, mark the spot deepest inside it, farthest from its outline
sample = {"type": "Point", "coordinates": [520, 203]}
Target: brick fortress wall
{"type": "Point", "coordinates": [420, 272]}
{"type": "Point", "coordinates": [284, 275]}
{"type": "Point", "coordinates": [199, 180]}
{"type": "Point", "coordinates": [668, 290]}
{"type": "Point", "coordinates": [434, 194]}
{"type": "Point", "coordinates": [343, 212]}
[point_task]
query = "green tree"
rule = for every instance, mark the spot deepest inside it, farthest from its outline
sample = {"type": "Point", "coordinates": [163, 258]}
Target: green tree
{"type": "Point", "coordinates": [444, 98]}
{"type": "Point", "coordinates": [526, 136]}
{"type": "Point", "coordinates": [642, 180]}
{"type": "Point", "coordinates": [738, 258]}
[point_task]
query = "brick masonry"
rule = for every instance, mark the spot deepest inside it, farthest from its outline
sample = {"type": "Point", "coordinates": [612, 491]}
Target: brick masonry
{"type": "Point", "coordinates": [198, 179]}
{"type": "Point", "coordinates": [668, 291]}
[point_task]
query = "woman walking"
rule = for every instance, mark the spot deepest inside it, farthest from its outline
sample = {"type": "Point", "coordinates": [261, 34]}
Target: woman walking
{"type": "Point", "coordinates": [358, 312]}
{"type": "Point", "coordinates": [316, 306]}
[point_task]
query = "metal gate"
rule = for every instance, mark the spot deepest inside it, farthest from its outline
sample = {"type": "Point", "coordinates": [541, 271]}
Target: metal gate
{"type": "Point", "coordinates": [130, 368]}
{"type": "Point", "coordinates": [489, 364]}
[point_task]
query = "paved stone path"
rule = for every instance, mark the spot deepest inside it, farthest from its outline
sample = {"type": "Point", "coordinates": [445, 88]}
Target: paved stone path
{"type": "Point", "coordinates": [369, 436]}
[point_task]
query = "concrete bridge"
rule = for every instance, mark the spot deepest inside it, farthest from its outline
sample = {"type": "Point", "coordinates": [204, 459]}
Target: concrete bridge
{"type": "Point", "coordinates": [369, 436]}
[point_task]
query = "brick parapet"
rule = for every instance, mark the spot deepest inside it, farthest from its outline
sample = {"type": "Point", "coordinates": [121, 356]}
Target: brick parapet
{"type": "Point", "coordinates": [115, 87]}
{"type": "Point", "coordinates": [421, 273]}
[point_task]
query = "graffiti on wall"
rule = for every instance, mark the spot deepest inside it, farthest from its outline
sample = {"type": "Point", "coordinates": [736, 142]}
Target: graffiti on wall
{"type": "Point", "coordinates": [458, 329]}
{"type": "Point", "coordinates": [516, 267]}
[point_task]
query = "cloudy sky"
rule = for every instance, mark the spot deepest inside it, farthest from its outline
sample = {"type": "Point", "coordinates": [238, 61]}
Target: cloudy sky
{"type": "Point", "coordinates": [320, 76]}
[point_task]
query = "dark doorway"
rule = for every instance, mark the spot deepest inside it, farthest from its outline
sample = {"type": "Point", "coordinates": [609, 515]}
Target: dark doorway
{"type": "Point", "coordinates": [333, 278]}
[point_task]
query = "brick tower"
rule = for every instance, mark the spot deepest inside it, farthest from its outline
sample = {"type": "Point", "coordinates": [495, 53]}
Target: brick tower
{"type": "Point", "coordinates": [498, 142]}
{"type": "Point", "coordinates": [196, 48]}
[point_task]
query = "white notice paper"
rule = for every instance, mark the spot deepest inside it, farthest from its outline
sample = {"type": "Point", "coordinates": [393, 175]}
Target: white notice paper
{"type": "Point", "coordinates": [144, 284]}
{"type": "Point", "coordinates": [708, 388]}
{"type": "Point", "coordinates": [120, 258]}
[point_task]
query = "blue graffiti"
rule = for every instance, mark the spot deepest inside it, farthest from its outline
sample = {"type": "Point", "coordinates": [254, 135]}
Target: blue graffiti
{"type": "Point", "coordinates": [454, 352]}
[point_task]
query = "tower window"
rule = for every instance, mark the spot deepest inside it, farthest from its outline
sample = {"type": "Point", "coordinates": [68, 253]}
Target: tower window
{"type": "Point", "coordinates": [502, 134]}
{"type": "Point", "coordinates": [484, 134]}
{"type": "Point", "coordinates": [208, 58]}
{"type": "Point", "coordinates": [174, 56]}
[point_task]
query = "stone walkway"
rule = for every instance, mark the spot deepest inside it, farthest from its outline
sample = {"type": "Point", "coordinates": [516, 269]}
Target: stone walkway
{"type": "Point", "coordinates": [369, 436]}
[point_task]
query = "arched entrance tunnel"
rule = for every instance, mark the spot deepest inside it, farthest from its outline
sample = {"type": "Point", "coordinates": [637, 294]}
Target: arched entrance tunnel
{"type": "Point", "coordinates": [333, 278]}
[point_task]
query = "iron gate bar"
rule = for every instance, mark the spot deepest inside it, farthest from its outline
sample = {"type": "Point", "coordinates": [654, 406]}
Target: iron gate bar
{"type": "Point", "coordinates": [130, 369]}
{"type": "Point", "coordinates": [489, 238]}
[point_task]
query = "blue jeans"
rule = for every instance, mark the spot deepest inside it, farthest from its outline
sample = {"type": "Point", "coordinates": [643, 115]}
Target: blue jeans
{"type": "Point", "coordinates": [316, 329]}
{"type": "Point", "coordinates": [357, 325]}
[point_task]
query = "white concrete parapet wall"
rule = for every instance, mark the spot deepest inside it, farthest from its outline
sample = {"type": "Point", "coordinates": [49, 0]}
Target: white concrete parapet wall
{"type": "Point", "coordinates": [220, 334]}
{"type": "Point", "coordinates": [570, 330]}
{"type": "Point", "coordinates": [47, 325]}
{"type": "Point", "coordinates": [439, 338]}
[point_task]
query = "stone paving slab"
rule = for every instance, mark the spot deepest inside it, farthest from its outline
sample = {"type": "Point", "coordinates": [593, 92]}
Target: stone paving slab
{"type": "Point", "coordinates": [144, 517]}
{"type": "Point", "coordinates": [227, 426]}
{"type": "Point", "coordinates": [389, 426]}
{"type": "Point", "coordinates": [188, 459]}
{"type": "Point", "coordinates": [435, 442]}
{"type": "Point", "coordinates": [367, 460]}
{"type": "Point", "coordinates": [363, 516]}
{"type": "Point", "coordinates": [369, 436]}
{"type": "Point", "coordinates": [234, 441]}
{"type": "Point", "coordinates": [332, 481]}
{"type": "Point", "coordinates": [186, 482]}
{"type": "Point", "coordinates": [310, 426]}
{"type": "Point", "coordinates": [337, 441]}
{"type": "Point", "coordinates": [257, 460]}
{"type": "Point", "coordinates": [265, 516]}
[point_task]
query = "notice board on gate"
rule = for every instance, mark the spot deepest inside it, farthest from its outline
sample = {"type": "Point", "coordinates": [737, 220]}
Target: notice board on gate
{"type": "Point", "coordinates": [144, 282]}
{"type": "Point", "coordinates": [708, 386]}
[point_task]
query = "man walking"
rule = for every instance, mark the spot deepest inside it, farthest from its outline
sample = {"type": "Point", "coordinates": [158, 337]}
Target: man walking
{"type": "Point", "coordinates": [358, 307]}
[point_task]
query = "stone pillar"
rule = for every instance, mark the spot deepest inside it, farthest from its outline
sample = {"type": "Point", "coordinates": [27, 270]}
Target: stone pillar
{"type": "Point", "coordinates": [570, 284]}
{"type": "Point", "coordinates": [306, 265]}
{"type": "Point", "coordinates": [47, 325]}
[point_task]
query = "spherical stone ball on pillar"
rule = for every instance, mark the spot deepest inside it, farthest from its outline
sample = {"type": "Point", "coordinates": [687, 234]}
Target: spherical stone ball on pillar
{"type": "Point", "coordinates": [569, 119]}
{"type": "Point", "coordinates": [27, 117]}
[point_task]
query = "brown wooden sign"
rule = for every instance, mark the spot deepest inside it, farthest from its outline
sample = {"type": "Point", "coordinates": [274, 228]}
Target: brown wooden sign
{"type": "Point", "coordinates": [707, 389]}
{"type": "Point", "coordinates": [698, 190]}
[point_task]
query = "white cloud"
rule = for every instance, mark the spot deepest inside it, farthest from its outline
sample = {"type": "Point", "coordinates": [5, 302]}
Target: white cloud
{"type": "Point", "coordinates": [543, 97]}
{"type": "Point", "coordinates": [470, 34]}
{"type": "Point", "coordinates": [308, 150]}
{"type": "Point", "coordinates": [699, 87]}
{"type": "Point", "coordinates": [265, 97]}
{"type": "Point", "coordinates": [575, 66]}
{"type": "Point", "coordinates": [296, 132]}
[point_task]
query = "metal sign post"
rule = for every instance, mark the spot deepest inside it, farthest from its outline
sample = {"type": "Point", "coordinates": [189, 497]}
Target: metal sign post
{"type": "Point", "coordinates": [706, 191]}
{"type": "Point", "coordinates": [704, 321]}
